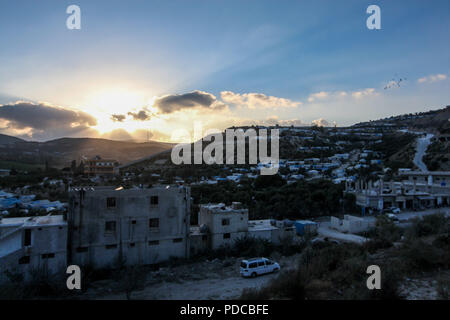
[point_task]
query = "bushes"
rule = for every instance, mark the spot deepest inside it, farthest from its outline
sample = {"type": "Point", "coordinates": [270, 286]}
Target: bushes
{"type": "Point", "coordinates": [247, 246]}
{"type": "Point", "coordinates": [443, 288]}
{"type": "Point", "coordinates": [387, 230]}
{"type": "Point", "coordinates": [376, 244]}
{"type": "Point", "coordinates": [419, 256]}
{"type": "Point", "coordinates": [290, 285]}
{"type": "Point", "coordinates": [429, 225]}
{"type": "Point", "coordinates": [40, 285]}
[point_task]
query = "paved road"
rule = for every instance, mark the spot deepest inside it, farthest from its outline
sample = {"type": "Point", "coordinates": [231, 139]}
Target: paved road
{"type": "Point", "coordinates": [421, 148]}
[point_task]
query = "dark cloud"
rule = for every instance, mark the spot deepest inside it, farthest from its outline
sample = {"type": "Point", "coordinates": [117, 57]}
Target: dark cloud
{"type": "Point", "coordinates": [118, 117]}
{"type": "Point", "coordinates": [42, 116]}
{"type": "Point", "coordinates": [140, 116]}
{"type": "Point", "coordinates": [195, 99]}
{"type": "Point", "coordinates": [43, 121]}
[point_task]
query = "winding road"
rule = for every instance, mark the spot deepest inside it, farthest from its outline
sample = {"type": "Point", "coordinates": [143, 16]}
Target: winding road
{"type": "Point", "coordinates": [421, 148]}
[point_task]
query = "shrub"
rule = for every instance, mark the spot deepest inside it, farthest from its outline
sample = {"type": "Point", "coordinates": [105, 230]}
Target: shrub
{"type": "Point", "coordinates": [429, 225]}
{"type": "Point", "coordinates": [443, 288]}
{"type": "Point", "coordinates": [376, 244]}
{"type": "Point", "coordinates": [420, 256]}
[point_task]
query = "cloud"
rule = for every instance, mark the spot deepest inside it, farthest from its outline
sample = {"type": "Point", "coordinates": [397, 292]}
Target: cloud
{"type": "Point", "coordinates": [118, 117]}
{"type": "Point", "coordinates": [142, 115]}
{"type": "Point", "coordinates": [191, 100]}
{"type": "Point", "coordinates": [328, 95]}
{"type": "Point", "coordinates": [43, 121]}
{"type": "Point", "coordinates": [318, 96]}
{"type": "Point", "coordinates": [117, 134]}
{"type": "Point", "coordinates": [257, 100]}
{"type": "Point", "coordinates": [432, 78]}
{"type": "Point", "coordinates": [320, 122]}
{"type": "Point", "coordinates": [363, 93]}
{"type": "Point", "coordinates": [273, 120]}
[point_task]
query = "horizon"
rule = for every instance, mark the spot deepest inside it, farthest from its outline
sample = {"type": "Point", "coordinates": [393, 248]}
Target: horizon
{"type": "Point", "coordinates": [204, 135]}
{"type": "Point", "coordinates": [143, 70]}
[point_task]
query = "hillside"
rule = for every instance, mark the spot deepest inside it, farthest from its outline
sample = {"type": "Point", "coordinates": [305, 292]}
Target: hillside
{"type": "Point", "coordinates": [4, 139]}
{"type": "Point", "coordinates": [61, 152]}
{"type": "Point", "coordinates": [433, 120]}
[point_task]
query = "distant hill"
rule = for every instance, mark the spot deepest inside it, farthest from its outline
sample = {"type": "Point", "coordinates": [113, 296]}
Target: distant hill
{"type": "Point", "coordinates": [4, 139]}
{"type": "Point", "coordinates": [61, 152]}
{"type": "Point", "coordinates": [433, 120]}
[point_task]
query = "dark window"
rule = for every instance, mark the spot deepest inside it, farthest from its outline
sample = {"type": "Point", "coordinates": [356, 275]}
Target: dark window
{"type": "Point", "coordinates": [111, 202]}
{"type": "Point", "coordinates": [111, 246]}
{"type": "Point", "coordinates": [82, 249]}
{"type": "Point", "coordinates": [153, 243]}
{"type": "Point", "coordinates": [154, 200]}
{"type": "Point", "coordinates": [27, 238]}
{"type": "Point", "coordinates": [48, 255]}
{"type": "Point", "coordinates": [110, 226]}
{"type": "Point", "coordinates": [260, 263]}
{"type": "Point", "coordinates": [153, 223]}
{"type": "Point", "coordinates": [24, 260]}
{"type": "Point", "coordinates": [40, 229]}
{"type": "Point", "coordinates": [226, 236]}
{"type": "Point", "coordinates": [225, 222]}
{"type": "Point", "coordinates": [177, 240]}
{"type": "Point", "coordinates": [132, 244]}
{"type": "Point", "coordinates": [253, 265]}
{"type": "Point", "coordinates": [204, 238]}
{"type": "Point", "coordinates": [269, 262]}
{"type": "Point", "coordinates": [133, 221]}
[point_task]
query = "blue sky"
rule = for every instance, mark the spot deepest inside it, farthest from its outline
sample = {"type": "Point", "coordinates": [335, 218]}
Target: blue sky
{"type": "Point", "coordinates": [315, 59]}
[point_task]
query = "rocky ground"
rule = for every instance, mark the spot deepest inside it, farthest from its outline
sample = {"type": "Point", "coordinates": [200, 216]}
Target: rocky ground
{"type": "Point", "coordinates": [215, 279]}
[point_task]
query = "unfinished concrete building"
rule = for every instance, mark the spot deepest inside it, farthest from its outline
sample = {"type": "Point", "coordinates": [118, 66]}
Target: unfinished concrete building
{"type": "Point", "coordinates": [417, 190]}
{"type": "Point", "coordinates": [131, 226]}
{"type": "Point", "coordinates": [220, 225]}
{"type": "Point", "coordinates": [224, 224]}
{"type": "Point", "coordinates": [32, 245]}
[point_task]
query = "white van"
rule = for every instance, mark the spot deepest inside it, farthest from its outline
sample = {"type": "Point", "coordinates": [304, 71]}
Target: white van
{"type": "Point", "coordinates": [257, 266]}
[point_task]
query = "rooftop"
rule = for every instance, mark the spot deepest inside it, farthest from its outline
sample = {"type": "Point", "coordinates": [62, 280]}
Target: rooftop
{"type": "Point", "coordinates": [260, 225]}
{"type": "Point", "coordinates": [34, 221]}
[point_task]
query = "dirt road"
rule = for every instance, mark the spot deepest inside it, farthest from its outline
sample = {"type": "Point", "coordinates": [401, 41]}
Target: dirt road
{"type": "Point", "coordinates": [216, 279]}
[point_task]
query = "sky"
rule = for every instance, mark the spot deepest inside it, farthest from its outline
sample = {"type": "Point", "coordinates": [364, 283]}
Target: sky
{"type": "Point", "coordinates": [155, 69]}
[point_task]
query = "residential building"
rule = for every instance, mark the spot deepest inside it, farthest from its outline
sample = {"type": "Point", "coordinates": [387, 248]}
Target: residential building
{"type": "Point", "coordinates": [4, 172]}
{"type": "Point", "coordinates": [32, 244]}
{"type": "Point", "coordinates": [224, 224]}
{"type": "Point", "coordinates": [220, 225]}
{"type": "Point", "coordinates": [100, 167]}
{"type": "Point", "coordinates": [133, 226]}
{"type": "Point", "coordinates": [417, 190]}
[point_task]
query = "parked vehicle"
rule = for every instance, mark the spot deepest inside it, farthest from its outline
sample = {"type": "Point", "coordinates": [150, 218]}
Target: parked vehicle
{"type": "Point", "coordinates": [393, 217]}
{"type": "Point", "coordinates": [395, 210]}
{"type": "Point", "coordinates": [391, 210]}
{"type": "Point", "coordinates": [257, 266]}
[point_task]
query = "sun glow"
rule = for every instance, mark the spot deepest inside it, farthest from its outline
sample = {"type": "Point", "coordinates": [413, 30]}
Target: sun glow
{"type": "Point", "coordinates": [117, 101]}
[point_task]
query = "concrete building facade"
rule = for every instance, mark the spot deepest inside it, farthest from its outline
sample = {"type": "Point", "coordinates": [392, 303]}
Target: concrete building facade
{"type": "Point", "coordinates": [131, 226]}
{"type": "Point", "coordinates": [100, 167]}
{"type": "Point", "coordinates": [224, 224]}
{"type": "Point", "coordinates": [417, 190]}
{"type": "Point", "coordinates": [32, 244]}
{"type": "Point", "coordinates": [221, 225]}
